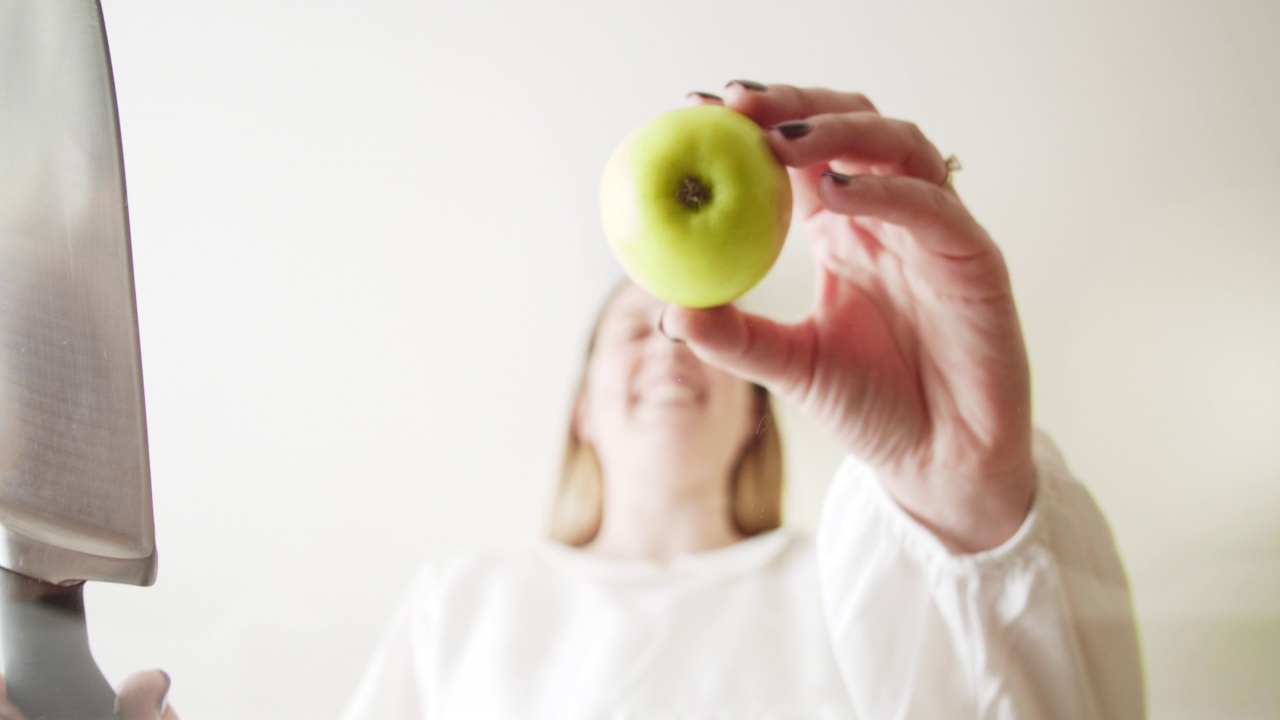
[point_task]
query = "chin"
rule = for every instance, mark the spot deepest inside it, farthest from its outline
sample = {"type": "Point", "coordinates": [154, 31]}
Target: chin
{"type": "Point", "coordinates": [680, 432]}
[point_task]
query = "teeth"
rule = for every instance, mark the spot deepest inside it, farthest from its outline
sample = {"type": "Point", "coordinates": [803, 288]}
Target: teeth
{"type": "Point", "coordinates": [672, 393]}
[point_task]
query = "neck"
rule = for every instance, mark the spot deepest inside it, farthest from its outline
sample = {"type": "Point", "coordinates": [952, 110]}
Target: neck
{"type": "Point", "coordinates": [661, 516]}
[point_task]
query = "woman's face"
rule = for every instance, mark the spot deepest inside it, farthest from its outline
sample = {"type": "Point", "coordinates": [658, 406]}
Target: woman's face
{"type": "Point", "coordinates": [649, 398]}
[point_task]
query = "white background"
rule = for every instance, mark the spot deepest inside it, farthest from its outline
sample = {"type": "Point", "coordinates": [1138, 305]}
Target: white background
{"type": "Point", "coordinates": [367, 251]}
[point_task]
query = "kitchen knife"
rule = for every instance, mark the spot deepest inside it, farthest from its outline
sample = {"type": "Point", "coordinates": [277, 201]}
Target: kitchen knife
{"type": "Point", "coordinates": [75, 486]}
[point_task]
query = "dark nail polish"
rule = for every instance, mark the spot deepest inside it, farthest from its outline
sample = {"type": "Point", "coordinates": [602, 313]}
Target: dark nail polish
{"type": "Point", "coordinates": [793, 129]}
{"type": "Point", "coordinates": [838, 177]}
{"type": "Point", "coordinates": [706, 96]}
{"type": "Point", "coordinates": [749, 84]}
{"type": "Point", "coordinates": [662, 329]}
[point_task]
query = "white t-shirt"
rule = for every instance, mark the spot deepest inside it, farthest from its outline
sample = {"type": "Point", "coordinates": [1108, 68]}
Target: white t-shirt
{"type": "Point", "coordinates": [876, 620]}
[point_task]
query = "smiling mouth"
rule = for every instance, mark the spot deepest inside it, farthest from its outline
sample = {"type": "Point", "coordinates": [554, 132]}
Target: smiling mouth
{"type": "Point", "coordinates": [670, 394]}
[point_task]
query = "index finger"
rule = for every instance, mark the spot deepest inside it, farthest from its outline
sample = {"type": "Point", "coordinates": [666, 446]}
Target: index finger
{"type": "Point", "coordinates": [769, 105]}
{"type": "Point", "coordinates": [944, 246]}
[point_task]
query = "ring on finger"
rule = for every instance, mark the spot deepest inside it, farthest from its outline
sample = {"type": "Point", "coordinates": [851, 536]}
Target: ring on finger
{"type": "Point", "coordinates": [953, 166]}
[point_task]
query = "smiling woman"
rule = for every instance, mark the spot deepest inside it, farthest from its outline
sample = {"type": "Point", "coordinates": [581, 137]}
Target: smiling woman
{"type": "Point", "coordinates": [667, 553]}
{"type": "Point", "coordinates": [669, 432]}
{"type": "Point", "coordinates": [629, 318]}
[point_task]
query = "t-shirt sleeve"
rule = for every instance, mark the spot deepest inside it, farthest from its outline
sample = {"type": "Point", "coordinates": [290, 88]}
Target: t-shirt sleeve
{"type": "Point", "coordinates": [396, 683]}
{"type": "Point", "coordinates": [1040, 627]}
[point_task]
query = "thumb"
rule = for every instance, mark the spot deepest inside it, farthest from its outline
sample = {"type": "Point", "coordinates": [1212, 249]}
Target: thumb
{"type": "Point", "coordinates": [754, 348]}
{"type": "Point", "coordinates": [8, 711]}
{"type": "Point", "coordinates": [145, 696]}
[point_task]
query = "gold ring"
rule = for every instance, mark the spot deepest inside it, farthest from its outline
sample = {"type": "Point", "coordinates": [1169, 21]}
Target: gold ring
{"type": "Point", "coordinates": [953, 165]}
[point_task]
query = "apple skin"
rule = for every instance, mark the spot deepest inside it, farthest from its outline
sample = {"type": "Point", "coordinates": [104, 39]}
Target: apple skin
{"type": "Point", "coordinates": [696, 206]}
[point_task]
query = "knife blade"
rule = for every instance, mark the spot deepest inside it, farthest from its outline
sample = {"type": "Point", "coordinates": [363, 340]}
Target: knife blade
{"type": "Point", "coordinates": [75, 485]}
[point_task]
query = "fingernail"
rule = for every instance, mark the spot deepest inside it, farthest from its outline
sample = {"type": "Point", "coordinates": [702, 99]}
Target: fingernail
{"type": "Point", "coordinates": [793, 129]}
{"type": "Point", "coordinates": [838, 177]}
{"type": "Point", "coordinates": [164, 696]}
{"type": "Point", "coordinates": [705, 96]}
{"type": "Point", "coordinates": [662, 329]}
{"type": "Point", "coordinates": [749, 84]}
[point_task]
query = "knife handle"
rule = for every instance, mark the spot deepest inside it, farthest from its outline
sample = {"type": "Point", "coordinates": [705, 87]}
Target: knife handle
{"type": "Point", "coordinates": [50, 670]}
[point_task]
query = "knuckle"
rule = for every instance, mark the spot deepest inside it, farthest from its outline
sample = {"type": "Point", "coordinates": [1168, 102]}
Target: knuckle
{"type": "Point", "coordinates": [943, 211]}
{"type": "Point", "coordinates": [920, 158]}
{"type": "Point", "coordinates": [849, 125]}
{"type": "Point", "coordinates": [753, 105]}
{"type": "Point", "coordinates": [915, 135]}
{"type": "Point", "coordinates": [939, 203]}
{"type": "Point", "coordinates": [999, 266]}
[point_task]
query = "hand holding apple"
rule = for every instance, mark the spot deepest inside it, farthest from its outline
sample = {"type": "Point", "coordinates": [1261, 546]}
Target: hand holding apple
{"type": "Point", "coordinates": [695, 205]}
{"type": "Point", "coordinates": [912, 355]}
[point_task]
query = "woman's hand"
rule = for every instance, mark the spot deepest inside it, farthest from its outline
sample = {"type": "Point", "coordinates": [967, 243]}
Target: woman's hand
{"type": "Point", "coordinates": [143, 696]}
{"type": "Point", "coordinates": [912, 355]}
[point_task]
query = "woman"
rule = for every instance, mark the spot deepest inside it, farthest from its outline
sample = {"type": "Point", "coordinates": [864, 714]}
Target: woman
{"type": "Point", "coordinates": [669, 589]}
{"type": "Point", "coordinates": [958, 571]}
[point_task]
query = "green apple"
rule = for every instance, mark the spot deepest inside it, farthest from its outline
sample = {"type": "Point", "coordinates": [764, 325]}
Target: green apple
{"type": "Point", "coordinates": [696, 206]}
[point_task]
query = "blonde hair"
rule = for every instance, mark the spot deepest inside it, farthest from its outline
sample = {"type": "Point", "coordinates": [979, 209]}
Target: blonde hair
{"type": "Point", "coordinates": [755, 491]}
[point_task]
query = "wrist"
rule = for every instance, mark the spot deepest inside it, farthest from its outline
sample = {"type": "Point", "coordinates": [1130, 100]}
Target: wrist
{"type": "Point", "coordinates": [969, 510]}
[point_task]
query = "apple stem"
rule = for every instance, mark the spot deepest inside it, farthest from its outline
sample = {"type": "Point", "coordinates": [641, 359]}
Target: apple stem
{"type": "Point", "coordinates": [692, 193]}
